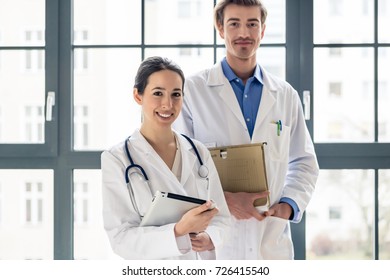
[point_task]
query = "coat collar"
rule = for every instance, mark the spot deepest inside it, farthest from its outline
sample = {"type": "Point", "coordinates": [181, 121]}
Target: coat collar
{"type": "Point", "coordinates": [216, 78]}
{"type": "Point", "coordinates": [188, 157]}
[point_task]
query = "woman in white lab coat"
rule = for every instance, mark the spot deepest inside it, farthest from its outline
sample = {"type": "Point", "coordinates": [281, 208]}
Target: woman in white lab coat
{"type": "Point", "coordinates": [171, 165]}
{"type": "Point", "coordinates": [211, 114]}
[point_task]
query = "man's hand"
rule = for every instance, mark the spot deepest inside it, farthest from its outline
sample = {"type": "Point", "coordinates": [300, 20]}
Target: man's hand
{"type": "Point", "coordinates": [241, 204]}
{"type": "Point", "coordinates": [281, 210]}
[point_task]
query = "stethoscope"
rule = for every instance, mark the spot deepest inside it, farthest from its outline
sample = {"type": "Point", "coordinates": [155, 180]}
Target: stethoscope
{"type": "Point", "coordinates": [203, 171]}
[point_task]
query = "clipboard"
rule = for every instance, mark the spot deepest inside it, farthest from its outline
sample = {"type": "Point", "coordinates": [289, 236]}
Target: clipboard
{"type": "Point", "coordinates": [167, 208]}
{"type": "Point", "coordinates": [241, 168]}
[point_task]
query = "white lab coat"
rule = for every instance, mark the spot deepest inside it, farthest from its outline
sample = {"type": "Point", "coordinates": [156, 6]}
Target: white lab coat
{"type": "Point", "coordinates": [212, 115]}
{"type": "Point", "coordinates": [121, 219]}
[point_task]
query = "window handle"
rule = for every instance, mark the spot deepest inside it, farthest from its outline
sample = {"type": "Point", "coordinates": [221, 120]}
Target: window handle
{"type": "Point", "coordinates": [50, 102]}
{"type": "Point", "coordinates": [306, 104]}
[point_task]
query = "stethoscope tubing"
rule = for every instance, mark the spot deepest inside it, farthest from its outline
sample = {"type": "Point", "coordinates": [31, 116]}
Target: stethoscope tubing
{"type": "Point", "coordinates": [202, 171]}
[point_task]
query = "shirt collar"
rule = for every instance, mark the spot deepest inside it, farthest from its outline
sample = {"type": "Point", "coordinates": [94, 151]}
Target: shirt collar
{"type": "Point", "coordinates": [227, 70]}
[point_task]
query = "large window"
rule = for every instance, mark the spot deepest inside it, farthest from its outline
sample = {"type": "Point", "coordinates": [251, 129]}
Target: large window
{"type": "Point", "coordinates": [66, 95]}
{"type": "Point", "coordinates": [348, 216]}
{"type": "Point", "coordinates": [26, 214]}
{"type": "Point", "coordinates": [22, 79]}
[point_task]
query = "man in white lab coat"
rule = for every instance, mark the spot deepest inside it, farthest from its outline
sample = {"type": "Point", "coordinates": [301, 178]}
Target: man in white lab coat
{"type": "Point", "coordinates": [238, 102]}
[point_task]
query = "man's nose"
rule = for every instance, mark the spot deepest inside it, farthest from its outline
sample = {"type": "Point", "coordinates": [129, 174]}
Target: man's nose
{"type": "Point", "coordinates": [244, 31]}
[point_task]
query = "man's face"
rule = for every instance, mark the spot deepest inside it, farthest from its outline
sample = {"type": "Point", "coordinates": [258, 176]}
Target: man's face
{"type": "Point", "coordinates": [242, 31]}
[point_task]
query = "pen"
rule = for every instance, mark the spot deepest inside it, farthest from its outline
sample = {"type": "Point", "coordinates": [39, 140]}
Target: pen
{"type": "Point", "coordinates": [279, 127]}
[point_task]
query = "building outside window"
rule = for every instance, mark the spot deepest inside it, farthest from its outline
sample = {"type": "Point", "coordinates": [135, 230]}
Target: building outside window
{"type": "Point", "coordinates": [81, 203]}
{"type": "Point", "coordinates": [81, 55]}
{"type": "Point", "coordinates": [34, 59]}
{"type": "Point", "coordinates": [81, 127]}
{"type": "Point", "coordinates": [33, 203]}
{"type": "Point", "coordinates": [34, 124]}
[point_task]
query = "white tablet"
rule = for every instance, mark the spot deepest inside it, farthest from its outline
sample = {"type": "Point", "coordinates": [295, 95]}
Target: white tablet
{"type": "Point", "coordinates": [168, 208]}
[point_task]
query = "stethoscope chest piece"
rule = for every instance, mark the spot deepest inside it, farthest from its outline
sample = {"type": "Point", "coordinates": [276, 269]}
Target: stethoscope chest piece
{"type": "Point", "coordinates": [203, 171]}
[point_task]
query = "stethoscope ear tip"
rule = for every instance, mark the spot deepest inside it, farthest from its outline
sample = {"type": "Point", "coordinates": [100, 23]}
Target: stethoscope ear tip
{"type": "Point", "coordinates": [203, 171]}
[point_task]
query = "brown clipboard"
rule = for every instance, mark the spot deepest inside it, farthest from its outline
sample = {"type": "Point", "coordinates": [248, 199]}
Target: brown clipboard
{"type": "Point", "coordinates": [241, 168]}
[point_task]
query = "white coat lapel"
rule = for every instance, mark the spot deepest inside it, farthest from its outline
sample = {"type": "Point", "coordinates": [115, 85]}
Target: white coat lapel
{"type": "Point", "coordinates": [266, 104]}
{"type": "Point", "coordinates": [188, 160]}
{"type": "Point", "coordinates": [225, 91]}
{"type": "Point", "coordinates": [267, 101]}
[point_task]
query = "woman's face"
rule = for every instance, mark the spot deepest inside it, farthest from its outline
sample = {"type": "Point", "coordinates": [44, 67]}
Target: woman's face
{"type": "Point", "coordinates": [162, 99]}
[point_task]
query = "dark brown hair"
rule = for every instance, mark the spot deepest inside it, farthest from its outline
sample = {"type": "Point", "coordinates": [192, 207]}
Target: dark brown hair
{"type": "Point", "coordinates": [222, 4]}
{"type": "Point", "coordinates": [151, 65]}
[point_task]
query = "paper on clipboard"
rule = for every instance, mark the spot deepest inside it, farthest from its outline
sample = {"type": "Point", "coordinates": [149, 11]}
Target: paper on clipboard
{"type": "Point", "coordinates": [241, 168]}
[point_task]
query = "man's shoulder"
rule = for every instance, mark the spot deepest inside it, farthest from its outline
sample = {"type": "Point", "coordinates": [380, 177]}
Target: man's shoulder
{"type": "Point", "coordinates": [200, 75]}
{"type": "Point", "coordinates": [204, 74]}
{"type": "Point", "coordinates": [275, 81]}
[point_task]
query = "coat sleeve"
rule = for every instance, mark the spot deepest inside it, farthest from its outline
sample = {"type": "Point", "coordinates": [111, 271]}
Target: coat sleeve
{"type": "Point", "coordinates": [121, 220]}
{"type": "Point", "coordinates": [303, 167]}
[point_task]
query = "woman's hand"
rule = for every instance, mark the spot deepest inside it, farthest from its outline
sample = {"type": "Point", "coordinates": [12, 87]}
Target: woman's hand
{"type": "Point", "coordinates": [195, 220]}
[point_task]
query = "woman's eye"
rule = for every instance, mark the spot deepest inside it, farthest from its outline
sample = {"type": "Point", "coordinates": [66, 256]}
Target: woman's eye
{"type": "Point", "coordinates": [157, 93]}
{"type": "Point", "coordinates": [176, 94]}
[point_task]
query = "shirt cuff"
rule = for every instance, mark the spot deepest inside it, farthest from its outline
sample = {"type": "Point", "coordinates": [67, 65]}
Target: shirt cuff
{"type": "Point", "coordinates": [294, 206]}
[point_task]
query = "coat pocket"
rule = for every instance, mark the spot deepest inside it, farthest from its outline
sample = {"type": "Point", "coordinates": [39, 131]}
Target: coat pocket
{"type": "Point", "coordinates": [278, 142]}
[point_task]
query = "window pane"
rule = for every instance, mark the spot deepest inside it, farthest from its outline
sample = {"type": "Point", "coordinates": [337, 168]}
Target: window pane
{"type": "Point", "coordinates": [273, 59]}
{"type": "Point", "coordinates": [275, 31]}
{"type": "Point", "coordinates": [343, 21]}
{"type": "Point", "coordinates": [16, 16]}
{"type": "Point", "coordinates": [107, 22]}
{"type": "Point", "coordinates": [384, 214]}
{"type": "Point", "coordinates": [343, 95]}
{"type": "Point", "coordinates": [104, 110]}
{"type": "Point", "coordinates": [383, 21]}
{"type": "Point", "coordinates": [90, 239]}
{"type": "Point", "coordinates": [26, 231]}
{"type": "Point", "coordinates": [340, 215]}
{"type": "Point", "coordinates": [22, 95]}
{"type": "Point", "coordinates": [185, 17]}
{"type": "Point", "coordinates": [384, 94]}
{"type": "Point", "coordinates": [1, 205]}
{"type": "Point", "coordinates": [185, 57]}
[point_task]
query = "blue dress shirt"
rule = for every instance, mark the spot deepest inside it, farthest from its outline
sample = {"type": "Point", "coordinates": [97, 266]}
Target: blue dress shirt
{"type": "Point", "coordinates": [248, 95]}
